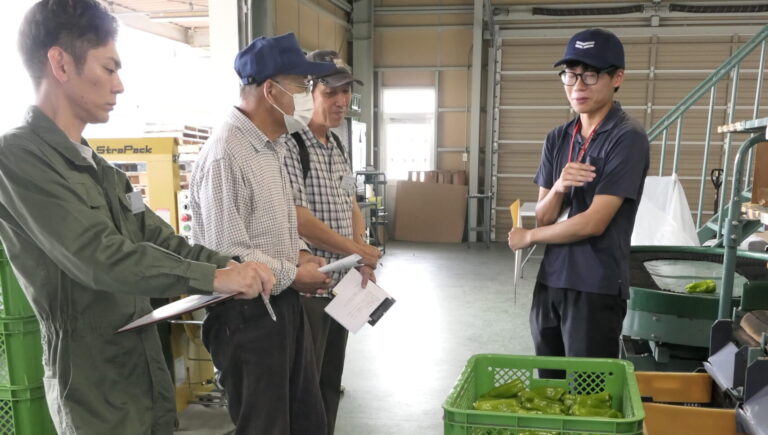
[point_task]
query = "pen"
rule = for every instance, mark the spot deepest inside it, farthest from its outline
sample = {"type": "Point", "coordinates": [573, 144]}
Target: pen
{"type": "Point", "coordinates": [269, 307]}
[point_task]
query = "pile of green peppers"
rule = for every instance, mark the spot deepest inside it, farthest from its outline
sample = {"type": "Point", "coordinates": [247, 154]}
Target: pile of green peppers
{"type": "Point", "coordinates": [513, 397]}
{"type": "Point", "coordinates": [707, 286]}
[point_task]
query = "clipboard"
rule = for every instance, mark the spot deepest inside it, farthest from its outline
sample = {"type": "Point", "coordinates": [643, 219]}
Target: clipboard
{"type": "Point", "coordinates": [514, 211]}
{"type": "Point", "coordinates": [176, 309]}
{"type": "Point", "coordinates": [355, 306]}
{"type": "Point", "coordinates": [379, 312]}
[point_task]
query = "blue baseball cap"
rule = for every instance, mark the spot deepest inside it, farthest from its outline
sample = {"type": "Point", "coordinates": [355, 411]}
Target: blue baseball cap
{"type": "Point", "coordinates": [594, 47]}
{"type": "Point", "coordinates": [267, 57]}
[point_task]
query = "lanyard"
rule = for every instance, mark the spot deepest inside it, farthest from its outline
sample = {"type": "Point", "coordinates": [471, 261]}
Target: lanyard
{"type": "Point", "coordinates": [583, 150]}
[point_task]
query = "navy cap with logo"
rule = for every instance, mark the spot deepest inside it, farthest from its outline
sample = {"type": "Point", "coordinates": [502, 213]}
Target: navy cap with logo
{"type": "Point", "coordinates": [342, 74]}
{"type": "Point", "coordinates": [594, 47]}
{"type": "Point", "coordinates": [267, 57]}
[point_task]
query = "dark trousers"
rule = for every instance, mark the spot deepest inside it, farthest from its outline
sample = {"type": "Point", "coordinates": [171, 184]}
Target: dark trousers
{"type": "Point", "coordinates": [267, 368]}
{"type": "Point", "coordinates": [574, 323]}
{"type": "Point", "coordinates": [330, 345]}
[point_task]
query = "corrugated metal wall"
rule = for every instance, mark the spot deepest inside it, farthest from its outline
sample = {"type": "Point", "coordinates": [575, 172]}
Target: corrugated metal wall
{"type": "Point", "coordinates": [661, 70]}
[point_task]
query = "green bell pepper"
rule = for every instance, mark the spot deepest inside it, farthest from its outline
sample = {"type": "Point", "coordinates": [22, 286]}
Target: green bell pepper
{"type": "Point", "coordinates": [506, 391]}
{"type": "Point", "coordinates": [598, 400]}
{"type": "Point", "coordinates": [498, 405]}
{"type": "Point", "coordinates": [549, 393]}
{"type": "Point", "coordinates": [546, 406]}
{"type": "Point", "coordinates": [708, 286]}
{"type": "Point", "coordinates": [584, 411]}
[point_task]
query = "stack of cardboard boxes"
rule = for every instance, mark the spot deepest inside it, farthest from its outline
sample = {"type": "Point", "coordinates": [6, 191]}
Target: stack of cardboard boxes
{"type": "Point", "coordinates": [431, 206]}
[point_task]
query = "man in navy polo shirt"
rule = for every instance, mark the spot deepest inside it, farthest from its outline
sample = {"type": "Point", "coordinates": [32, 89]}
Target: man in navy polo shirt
{"type": "Point", "coordinates": [590, 181]}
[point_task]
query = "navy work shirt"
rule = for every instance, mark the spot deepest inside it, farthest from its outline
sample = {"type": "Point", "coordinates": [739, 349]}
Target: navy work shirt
{"type": "Point", "coordinates": [620, 153]}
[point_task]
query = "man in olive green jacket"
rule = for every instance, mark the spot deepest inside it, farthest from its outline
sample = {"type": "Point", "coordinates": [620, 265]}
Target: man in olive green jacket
{"type": "Point", "coordinates": [86, 250]}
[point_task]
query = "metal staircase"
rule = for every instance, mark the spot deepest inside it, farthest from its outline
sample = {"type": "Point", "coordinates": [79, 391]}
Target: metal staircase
{"type": "Point", "coordinates": [729, 70]}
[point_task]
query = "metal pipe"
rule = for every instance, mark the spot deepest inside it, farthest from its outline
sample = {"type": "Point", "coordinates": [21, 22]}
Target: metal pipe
{"type": "Point", "coordinates": [755, 111]}
{"type": "Point", "coordinates": [707, 145]}
{"type": "Point", "coordinates": [436, 120]}
{"type": "Point", "coordinates": [678, 134]}
{"type": "Point", "coordinates": [495, 143]}
{"type": "Point", "coordinates": [490, 101]}
{"type": "Point", "coordinates": [727, 152]}
{"type": "Point", "coordinates": [342, 4]}
{"type": "Point", "coordinates": [421, 10]}
{"type": "Point", "coordinates": [474, 119]}
{"type": "Point", "coordinates": [732, 228]}
{"type": "Point", "coordinates": [663, 152]}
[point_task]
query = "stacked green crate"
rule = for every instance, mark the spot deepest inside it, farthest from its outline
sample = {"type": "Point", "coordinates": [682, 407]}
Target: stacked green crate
{"type": "Point", "coordinates": [23, 410]}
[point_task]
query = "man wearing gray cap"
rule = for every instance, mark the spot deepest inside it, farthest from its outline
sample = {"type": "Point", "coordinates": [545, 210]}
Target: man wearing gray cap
{"type": "Point", "coordinates": [328, 215]}
{"type": "Point", "coordinates": [242, 202]}
{"type": "Point", "coordinates": [590, 181]}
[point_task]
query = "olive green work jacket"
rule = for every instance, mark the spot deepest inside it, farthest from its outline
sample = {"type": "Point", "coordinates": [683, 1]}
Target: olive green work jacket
{"type": "Point", "coordinates": [88, 263]}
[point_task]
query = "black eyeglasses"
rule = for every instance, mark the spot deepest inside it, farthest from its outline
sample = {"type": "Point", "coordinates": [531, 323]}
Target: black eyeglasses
{"type": "Point", "coordinates": [589, 78]}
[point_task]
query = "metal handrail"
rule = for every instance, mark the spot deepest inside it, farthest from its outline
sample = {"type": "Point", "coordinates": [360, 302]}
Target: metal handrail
{"type": "Point", "coordinates": [702, 88]}
{"type": "Point", "coordinates": [731, 68]}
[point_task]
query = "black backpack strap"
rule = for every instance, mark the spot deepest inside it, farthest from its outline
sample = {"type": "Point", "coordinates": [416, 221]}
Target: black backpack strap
{"type": "Point", "coordinates": [303, 153]}
{"type": "Point", "coordinates": [339, 145]}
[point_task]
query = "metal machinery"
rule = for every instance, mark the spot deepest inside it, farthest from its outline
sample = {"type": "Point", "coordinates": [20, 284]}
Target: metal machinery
{"type": "Point", "coordinates": [736, 358]}
{"type": "Point", "coordinates": [159, 167]}
{"type": "Point", "coordinates": [669, 330]}
{"type": "Point", "coordinates": [374, 206]}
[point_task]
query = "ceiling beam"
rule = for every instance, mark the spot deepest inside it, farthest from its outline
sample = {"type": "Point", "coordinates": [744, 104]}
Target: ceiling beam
{"type": "Point", "coordinates": [140, 21]}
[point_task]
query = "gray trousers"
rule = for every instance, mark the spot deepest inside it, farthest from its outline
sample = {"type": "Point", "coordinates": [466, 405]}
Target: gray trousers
{"type": "Point", "coordinates": [330, 345]}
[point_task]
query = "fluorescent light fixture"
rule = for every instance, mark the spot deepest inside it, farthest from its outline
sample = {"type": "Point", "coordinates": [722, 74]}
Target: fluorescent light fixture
{"type": "Point", "coordinates": [201, 16]}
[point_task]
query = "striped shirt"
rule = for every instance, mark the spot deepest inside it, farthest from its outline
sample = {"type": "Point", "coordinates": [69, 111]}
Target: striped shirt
{"type": "Point", "coordinates": [321, 193]}
{"type": "Point", "coordinates": [241, 199]}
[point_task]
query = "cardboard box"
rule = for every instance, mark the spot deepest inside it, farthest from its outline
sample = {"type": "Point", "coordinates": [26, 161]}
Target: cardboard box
{"type": "Point", "coordinates": [671, 416]}
{"type": "Point", "coordinates": [444, 177]}
{"type": "Point", "coordinates": [760, 175]}
{"type": "Point", "coordinates": [429, 177]}
{"type": "Point", "coordinates": [459, 177]}
{"type": "Point", "coordinates": [430, 212]}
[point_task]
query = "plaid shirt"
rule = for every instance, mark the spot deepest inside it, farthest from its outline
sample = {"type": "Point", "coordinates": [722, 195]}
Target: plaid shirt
{"type": "Point", "coordinates": [241, 199]}
{"type": "Point", "coordinates": [321, 192]}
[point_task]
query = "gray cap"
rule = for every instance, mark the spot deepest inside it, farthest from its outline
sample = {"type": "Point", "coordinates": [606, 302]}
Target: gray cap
{"type": "Point", "coordinates": [341, 76]}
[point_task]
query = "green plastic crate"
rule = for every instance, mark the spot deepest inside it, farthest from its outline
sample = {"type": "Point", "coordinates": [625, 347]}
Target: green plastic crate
{"type": "Point", "coordinates": [21, 353]}
{"type": "Point", "coordinates": [23, 411]}
{"type": "Point", "coordinates": [13, 301]}
{"type": "Point", "coordinates": [583, 376]}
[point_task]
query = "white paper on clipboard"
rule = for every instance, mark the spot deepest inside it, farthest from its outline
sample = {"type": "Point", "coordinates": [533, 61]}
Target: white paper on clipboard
{"type": "Point", "coordinates": [175, 309]}
{"type": "Point", "coordinates": [347, 262]}
{"type": "Point", "coordinates": [354, 306]}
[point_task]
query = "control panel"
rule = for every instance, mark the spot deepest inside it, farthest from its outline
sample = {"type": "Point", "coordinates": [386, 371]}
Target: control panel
{"type": "Point", "coordinates": [184, 203]}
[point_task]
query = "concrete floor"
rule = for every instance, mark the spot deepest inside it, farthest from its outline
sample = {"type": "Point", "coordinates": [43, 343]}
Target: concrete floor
{"type": "Point", "coordinates": [453, 301]}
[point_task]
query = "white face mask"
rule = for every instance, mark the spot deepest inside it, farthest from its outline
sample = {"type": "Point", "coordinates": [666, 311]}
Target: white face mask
{"type": "Point", "coordinates": [303, 106]}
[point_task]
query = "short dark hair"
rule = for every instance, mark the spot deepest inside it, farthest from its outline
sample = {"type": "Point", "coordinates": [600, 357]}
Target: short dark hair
{"type": "Point", "coordinates": [77, 26]}
{"type": "Point", "coordinates": [610, 71]}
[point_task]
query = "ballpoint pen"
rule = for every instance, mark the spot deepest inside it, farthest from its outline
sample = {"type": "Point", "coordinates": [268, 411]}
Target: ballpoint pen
{"type": "Point", "coordinates": [269, 306]}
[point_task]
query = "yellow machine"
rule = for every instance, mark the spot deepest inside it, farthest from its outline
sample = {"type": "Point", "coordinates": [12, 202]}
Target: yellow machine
{"type": "Point", "coordinates": [152, 165]}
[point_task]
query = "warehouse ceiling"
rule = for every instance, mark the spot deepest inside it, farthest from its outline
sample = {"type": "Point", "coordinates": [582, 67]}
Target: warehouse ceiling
{"type": "Point", "coordinates": [185, 21]}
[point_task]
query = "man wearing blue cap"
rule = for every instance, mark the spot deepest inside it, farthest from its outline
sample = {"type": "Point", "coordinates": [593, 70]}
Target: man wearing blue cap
{"type": "Point", "coordinates": [242, 202]}
{"type": "Point", "coordinates": [590, 181]}
{"type": "Point", "coordinates": [328, 215]}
